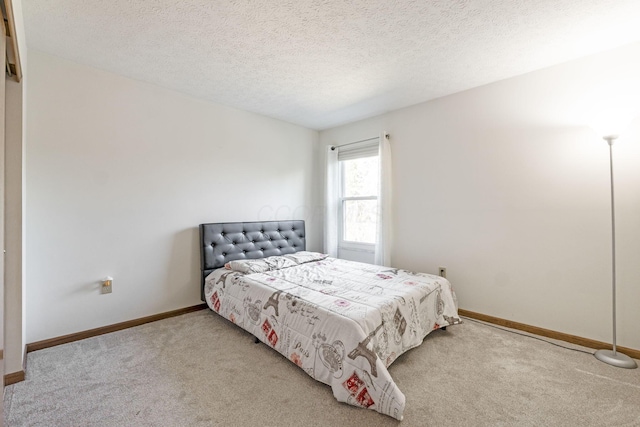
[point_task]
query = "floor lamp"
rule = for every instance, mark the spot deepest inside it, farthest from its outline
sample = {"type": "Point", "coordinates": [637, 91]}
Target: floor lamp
{"type": "Point", "coordinates": [612, 357]}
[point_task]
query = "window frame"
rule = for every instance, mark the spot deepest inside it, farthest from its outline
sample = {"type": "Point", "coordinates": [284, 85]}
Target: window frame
{"type": "Point", "coordinates": [348, 244]}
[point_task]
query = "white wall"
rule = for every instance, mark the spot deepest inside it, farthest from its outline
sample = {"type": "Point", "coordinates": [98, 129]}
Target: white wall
{"type": "Point", "coordinates": [507, 188]}
{"type": "Point", "coordinates": [119, 175]}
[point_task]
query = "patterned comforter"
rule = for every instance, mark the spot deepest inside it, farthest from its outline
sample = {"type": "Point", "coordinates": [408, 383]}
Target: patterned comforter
{"type": "Point", "coordinates": [342, 322]}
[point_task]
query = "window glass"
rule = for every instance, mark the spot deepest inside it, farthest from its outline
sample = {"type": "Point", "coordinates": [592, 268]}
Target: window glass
{"type": "Point", "coordinates": [360, 220]}
{"type": "Point", "coordinates": [360, 177]}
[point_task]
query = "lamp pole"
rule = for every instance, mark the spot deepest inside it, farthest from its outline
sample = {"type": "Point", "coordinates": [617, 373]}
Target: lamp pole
{"type": "Point", "coordinates": [612, 357]}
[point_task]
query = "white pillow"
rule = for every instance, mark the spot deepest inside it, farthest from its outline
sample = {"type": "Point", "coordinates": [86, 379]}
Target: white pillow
{"type": "Point", "coordinates": [305, 256]}
{"type": "Point", "coordinates": [249, 266]}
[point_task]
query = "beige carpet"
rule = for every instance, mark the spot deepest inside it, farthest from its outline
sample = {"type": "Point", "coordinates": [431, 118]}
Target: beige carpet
{"type": "Point", "coordinates": [200, 370]}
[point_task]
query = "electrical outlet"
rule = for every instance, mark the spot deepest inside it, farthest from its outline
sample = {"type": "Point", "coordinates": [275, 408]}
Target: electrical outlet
{"type": "Point", "coordinates": [442, 272]}
{"type": "Point", "coordinates": [107, 285]}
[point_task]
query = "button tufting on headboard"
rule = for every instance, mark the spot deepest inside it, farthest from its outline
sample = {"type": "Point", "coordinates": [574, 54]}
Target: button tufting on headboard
{"type": "Point", "coordinates": [224, 242]}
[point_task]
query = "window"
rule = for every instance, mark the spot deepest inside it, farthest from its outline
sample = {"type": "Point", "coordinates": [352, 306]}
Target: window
{"type": "Point", "coordinates": [357, 221]}
{"type": "Point", "coordinates": [358, 205]}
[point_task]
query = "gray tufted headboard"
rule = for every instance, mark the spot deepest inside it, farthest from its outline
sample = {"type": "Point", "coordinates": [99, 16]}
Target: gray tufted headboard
{"type": "Point", "coordinates": [228, 241]}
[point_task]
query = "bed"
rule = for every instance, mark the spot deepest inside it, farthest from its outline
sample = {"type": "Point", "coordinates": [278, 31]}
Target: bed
{"type": "Point", "coordinates": [342, 322]}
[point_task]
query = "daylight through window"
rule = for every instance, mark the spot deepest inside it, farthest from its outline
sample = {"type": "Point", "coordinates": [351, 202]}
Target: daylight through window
{"type": "Point", "coordinates": [359, 200]}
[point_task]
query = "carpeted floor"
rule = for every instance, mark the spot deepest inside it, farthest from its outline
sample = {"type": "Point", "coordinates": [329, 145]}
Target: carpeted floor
{"type": "Point", "coordinates": [200, 370]}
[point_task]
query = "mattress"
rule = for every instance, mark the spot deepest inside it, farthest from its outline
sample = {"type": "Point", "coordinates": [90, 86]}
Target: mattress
{"type": "Point", "coordinates": [342, 322]}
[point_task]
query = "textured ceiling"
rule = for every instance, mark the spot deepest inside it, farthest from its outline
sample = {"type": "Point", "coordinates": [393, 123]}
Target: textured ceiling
{"type": "Point", "coordinates": [322, 63]}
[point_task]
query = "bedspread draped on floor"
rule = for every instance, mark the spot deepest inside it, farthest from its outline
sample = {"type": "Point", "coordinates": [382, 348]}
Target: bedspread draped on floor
{"type": "Point", "coordinates": [342, 322]}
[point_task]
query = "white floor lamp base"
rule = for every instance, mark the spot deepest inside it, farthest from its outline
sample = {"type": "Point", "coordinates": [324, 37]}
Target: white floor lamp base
{"type": "Point", "coordinates": [616, 359]}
